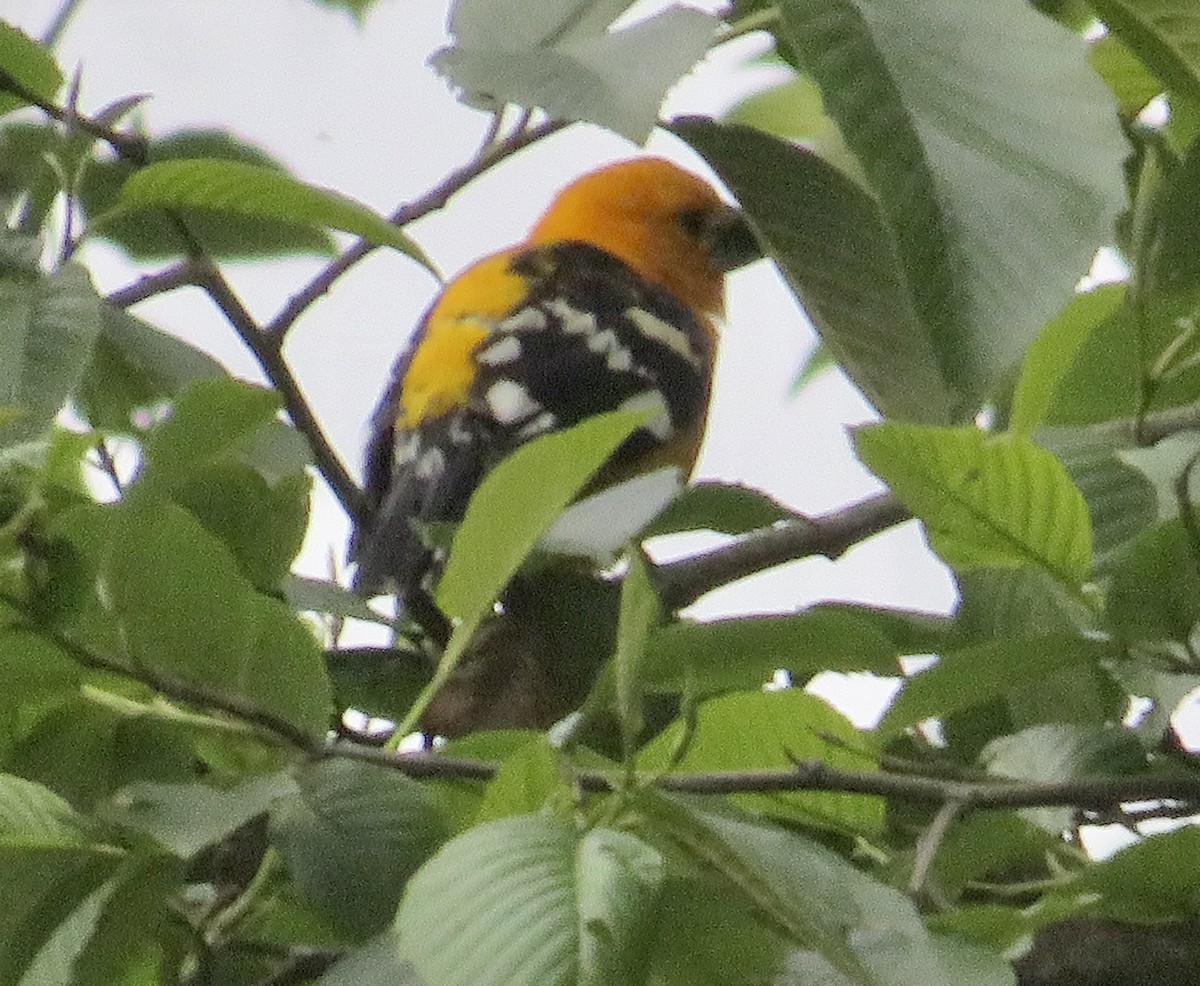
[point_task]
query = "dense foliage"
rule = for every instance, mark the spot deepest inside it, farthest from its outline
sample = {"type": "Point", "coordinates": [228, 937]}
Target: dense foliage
{"type": "Point", "coordinates": [174, 807]}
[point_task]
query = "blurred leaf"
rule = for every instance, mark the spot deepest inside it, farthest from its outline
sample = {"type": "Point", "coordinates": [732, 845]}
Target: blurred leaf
{"type": "Point", "coordinates": [257, 192]}
{"type": "Point", "coordinates": [1174, 266]}
{"type": "Point", "coordinates": [1055, 751]}
{"type": "Point", "coordinates": [184, 818]}
{"type": "Point", "coordinates": [262, 524]}
{"type": "Point", "coordinates": [47, 868]}
{"type": "Point", "coordinates": [744, 652]}
{"type": "Point", "coordinates": [134, 366]}
{"type": "Point", "coordinates": [30, 64]}
{"type": "Point", "coordinates": [967, 677]}
{"type": "Point", "coordinates": [993, 214]}
{"type": "Point", "coordinates": [352, 835]}
{"type": "Point", "coordinates": [763, 730]}
{"type": "Point", "coordinates": [724, 507]}
{"type": "Point", "coordinates": [830, 242]}
{"type": "Point", "coordinates": [36, 674]}
{"type": "Point", "coordinates": [562, 58]}
{"type": "Point", "coordinates": [184, 609]}
{"type": "Point", "coordinates": [520, 901]}
{"type": "Point", "coordinates": [357, 9]}
{"type": "Point", "coordinates": [494, 538]}
{"type": "Point", "coordinates": [48, 324]}
{"type": "Point", "coordinates": [147, 236]}
{"type": "Point", "coordinates": [869, 933]}
{"type": "Point", "coordinates": [795, 111]}
{"type": "Point", "coordinates": [208, 422]}
{"type": "Point", "coordinates": [1152, 880]}
{"type": "Point", "coordinates": [528, 778]}
{"type": "Point", "coordinates": [1125, 74]}
{"type": "Point", "coordinates": [309, 595]}
{"type": "Point", "coordinates": [1052, 354]}
{"type": "Point", "coordinates": [373, 964]}
{"type": "Point", "coordinates": [986, 500]}
{"type": "Point", "coordinates": [1155, 591]}
{"type": "Point", "coordinates": [1164, 34]}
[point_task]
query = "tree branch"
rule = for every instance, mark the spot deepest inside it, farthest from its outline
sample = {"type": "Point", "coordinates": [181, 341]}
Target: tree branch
{"type": "Point", "coordinates": [431, 201]}
{"type": "Point", "coordinates": [129, 147]}
{"type": "Point", "coordinates": [681, 583]}
{"type": "Point", "coordinates": [180, 275]}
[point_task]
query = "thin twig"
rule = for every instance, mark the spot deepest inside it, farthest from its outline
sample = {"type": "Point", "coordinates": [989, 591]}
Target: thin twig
{"type": "Point", "coordinates": [129, 147]}
{"type": "Point", "coordinates": [276, 368]}
{"type": "Point", "coordinates": [179, 275]}
{"type": "Point", "coordinates": [431, 201]}
{"type": "Point", "coordinates": [930, 842]}
{"type": "Point", "coordinates": [681, 583]}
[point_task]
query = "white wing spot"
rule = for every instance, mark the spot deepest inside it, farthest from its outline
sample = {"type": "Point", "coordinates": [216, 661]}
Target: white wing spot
{"type": "Point", "coordinates": [431, 465]}
{"type": "Point", "coordinates": [510, 402]}
{"type": "Point", "coordinates": [606, 343]}
{"type": "Point", "coordinates": [671, 336]}
{"type": "Point", "coordinates": [542, 423]}
{"type": "Point", "coordinates": [406, 448]}
{"type": "Point", "coordinates": [573, 321]}
{"type": "Point", "coordinates": [651, 400]}
{"type": "Point", "coordinates": [526, 320]}
{"type": "Point", "coordinates": [507, 350]}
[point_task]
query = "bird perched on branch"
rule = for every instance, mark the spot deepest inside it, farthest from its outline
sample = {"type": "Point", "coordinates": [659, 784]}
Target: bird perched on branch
{"type": "Point", "coordinates": [609, 303]}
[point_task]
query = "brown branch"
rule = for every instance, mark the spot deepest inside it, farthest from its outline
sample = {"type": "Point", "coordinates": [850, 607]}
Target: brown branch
{"type": "Point", "coordinates": [270, 358]}
{"type": "Point", "coordinates": [180, 275]}
{"type": "Point", "coordinates": [681, 583]}
{"type": "Point", "coordinates": [431, 201]}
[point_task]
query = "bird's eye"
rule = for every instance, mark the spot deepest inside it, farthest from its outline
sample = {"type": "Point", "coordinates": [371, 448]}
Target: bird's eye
{"type": "Point", "coordinates": [694, 222]}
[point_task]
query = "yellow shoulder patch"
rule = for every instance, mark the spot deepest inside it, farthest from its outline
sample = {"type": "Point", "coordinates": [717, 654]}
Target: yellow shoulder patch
{"type": "Point", "coordinates": [442, 369]}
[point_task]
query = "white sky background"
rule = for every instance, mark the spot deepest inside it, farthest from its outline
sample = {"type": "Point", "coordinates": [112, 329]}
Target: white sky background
{"type": "Point", "coordinates": [360, 111]}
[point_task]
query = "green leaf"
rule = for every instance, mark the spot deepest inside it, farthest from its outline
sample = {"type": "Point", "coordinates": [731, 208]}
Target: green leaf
{"type": "Point", "coordinates": [1052, 354]}
{"type": "Point", "coordinates": [564, 59]}
{"type": "Point", "coordinates": [638, 613]}
{"type": "Point", "coordinates": [308, 595]}
{"type": "Point", "coordinates": [1155, 593]}
{"type": "Point", "coordinates": [1121, 501]}
{"type": "Point", "coordinates": [1056, 751]}
{"type": "Point", "coordinates": [36, 674]}
{"type": "Point", "coordinates": [869, 933]}
{"type": "Point", "coordinates": [528, 778]}
{"type": "Point", "coordinates": [260, 193]}
{"type": "Point", "coordinates": [184, 609]}
{"type": "Point", "coordinates": [986, 500]}
{"type": "Point", "coordinates": [795, 111]}
{"type": "Point", "coordinates": [997, 211]}
{"type": "Point", "coordinates": [262, 524]}
{"type": "Point", "coordinates": [1125, 74]}
{"type": "Point", "coordinates": [48, 323]}
{"type": "Point", "coordinates": [725, 507]}
{"type": "Point", "coordinates": [619, 881]}
{"type": "Point", "coordinates": [208, 421]}
{"type": "Point", "coordinates": [184, 818]}
{"type": "Point", "coordinates": [1173, 267]}
{"type": "Point", "coordinates": [352, 835]}
{"type": "Point", "coordinates": [831, 245]}
{"type": "Point", "coordinates": [30, 64]}
{"type": "Point", "coordinates": [135, 366]}
{"type": "Point", "coordinates": [1164, 34]}
{"type": "Point", "coordinates": [744, 652]}
{"type": "Point", "coordinates": [1155, 879]}
{"type": "Point", "coordinates": [526, 901]}
{"type": "Point", "coordinates": [146, 235]}
{"type": "Point", "coordinates": [971, 676]}
{"type": "Point", "coordinates": [47, 868]}
{"type": "Point", "coordinates": [373, 964]}
{"type": "Point", "coordinates": [495, 537]}
{"type": "Point", "coordinates": [769, 730]}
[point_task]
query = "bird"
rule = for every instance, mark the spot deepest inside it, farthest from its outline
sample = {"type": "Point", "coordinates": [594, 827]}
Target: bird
{"type": "Point", "coordinates": [611, 301]}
